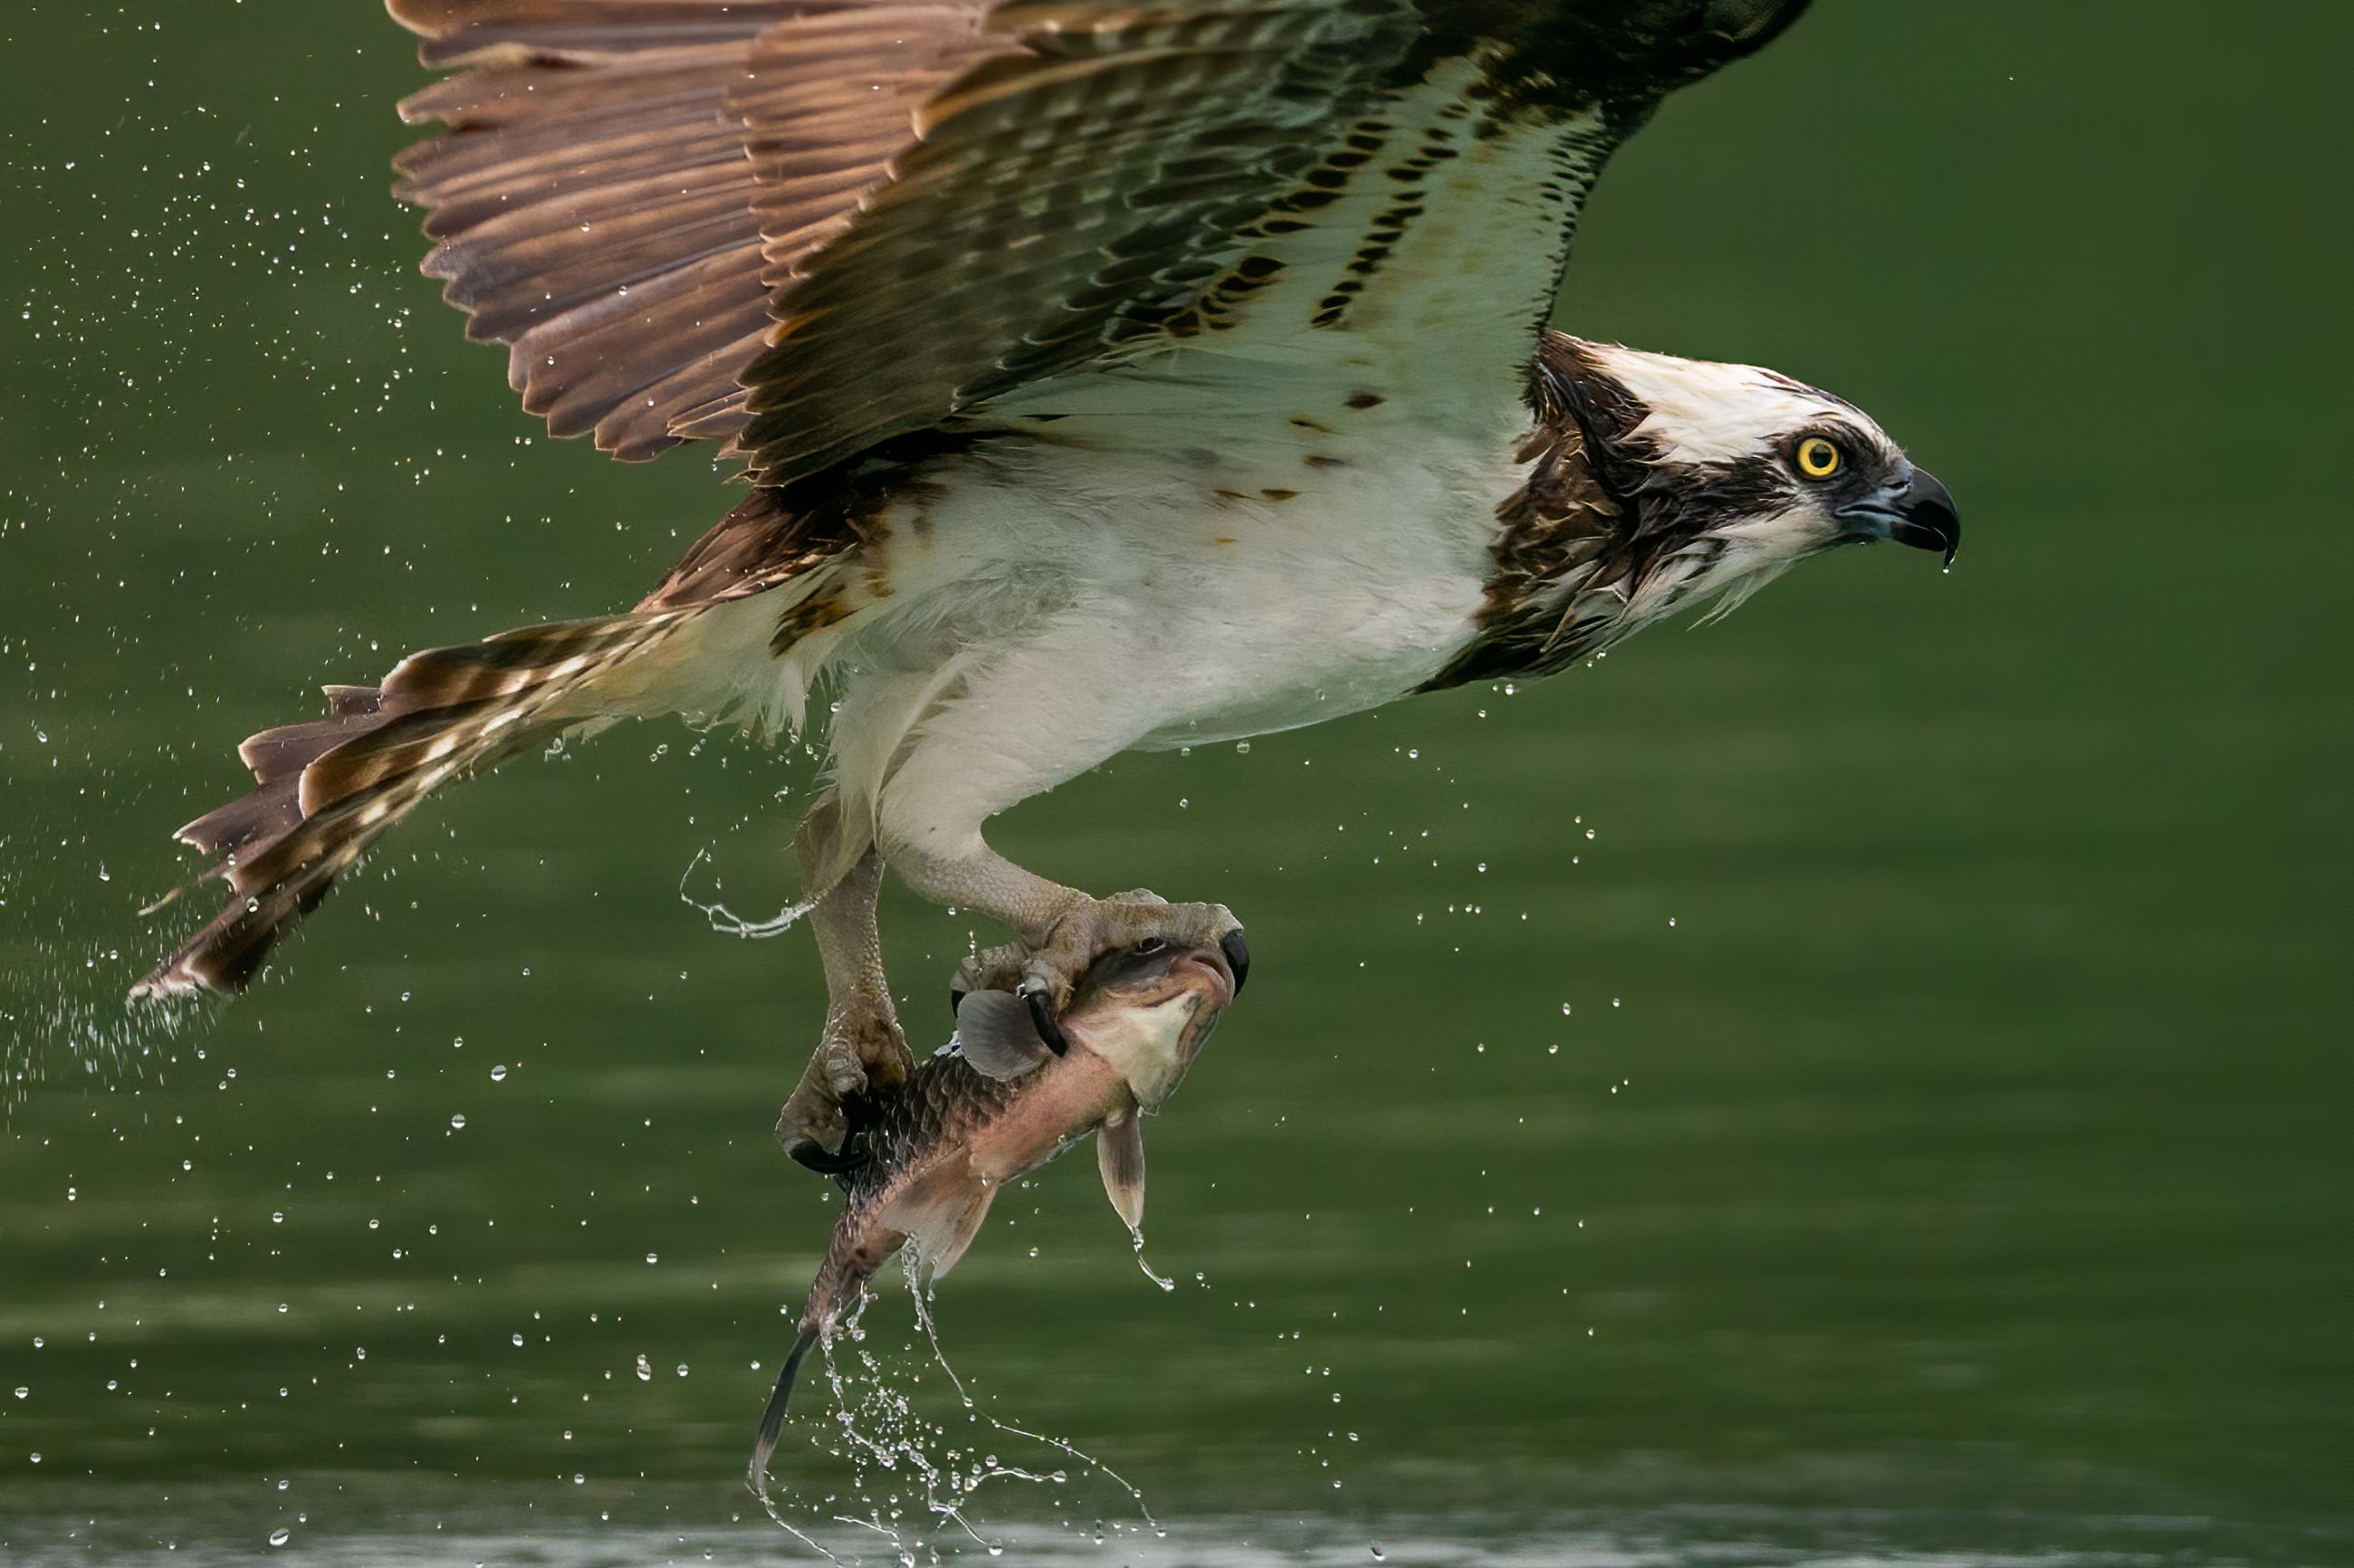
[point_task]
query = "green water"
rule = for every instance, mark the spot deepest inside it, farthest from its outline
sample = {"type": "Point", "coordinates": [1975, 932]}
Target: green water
{"type": "Point", "coordinates": [1862, 1082]}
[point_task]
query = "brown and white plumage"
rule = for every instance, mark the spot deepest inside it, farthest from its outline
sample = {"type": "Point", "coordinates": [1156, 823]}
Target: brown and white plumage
{"type": "Point", "coordinates": [1106, 375]}
{"type": "Point", "coordinates": [811, 228]}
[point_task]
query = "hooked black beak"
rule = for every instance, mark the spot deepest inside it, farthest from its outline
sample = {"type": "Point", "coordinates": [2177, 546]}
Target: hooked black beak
{"type": "Point", "coordinates": [1922, 515]}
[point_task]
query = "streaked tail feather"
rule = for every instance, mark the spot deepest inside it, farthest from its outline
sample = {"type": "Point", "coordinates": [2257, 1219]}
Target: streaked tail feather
{"type": "Point", "coordinates": [328, 787]}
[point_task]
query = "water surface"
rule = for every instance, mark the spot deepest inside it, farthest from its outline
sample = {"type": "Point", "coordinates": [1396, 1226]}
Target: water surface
{"type": "Point", "coordinates": [1861, 1084]}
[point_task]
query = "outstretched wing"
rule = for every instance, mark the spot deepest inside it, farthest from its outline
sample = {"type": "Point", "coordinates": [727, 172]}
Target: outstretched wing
{"type": "Point", "coordinates": [628, 183]}
{"type": "Point", "coordinates": [808, 226]}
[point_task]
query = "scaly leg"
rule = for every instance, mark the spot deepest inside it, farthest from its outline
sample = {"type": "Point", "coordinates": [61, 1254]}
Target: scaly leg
{"type": "Point", "coordinates": [1061, 930]}
{"type": "Point", "coordinates": [862, 1048]}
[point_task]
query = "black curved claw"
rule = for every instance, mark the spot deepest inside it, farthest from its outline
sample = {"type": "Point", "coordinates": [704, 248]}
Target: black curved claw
{"type": "Point", "coordinates": [816, 1157]}
{"type": "Point", "coordinates": [1237, 953]}
{"type": "Point", "coordinates": [955, 998]}
{"type": "Point", "coordinates": [1041, 1017]}
{"type": "Point", "coordinates": [859, 1113]}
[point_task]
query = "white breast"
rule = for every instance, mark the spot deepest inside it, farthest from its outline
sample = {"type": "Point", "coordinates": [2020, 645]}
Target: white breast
{"type": "Point", "coordinates": [1250, 528]}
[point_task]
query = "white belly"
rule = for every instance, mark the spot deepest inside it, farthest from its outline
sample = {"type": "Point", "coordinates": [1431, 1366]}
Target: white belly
{"type": "Point", "coordinates": [1078, 605]}
{"type": "Point", "coordinates": [1242, 529]}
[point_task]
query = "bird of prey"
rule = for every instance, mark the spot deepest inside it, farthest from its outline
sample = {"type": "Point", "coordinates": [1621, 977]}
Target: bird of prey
{"type": "Point", "coordinates": [1106, 374]}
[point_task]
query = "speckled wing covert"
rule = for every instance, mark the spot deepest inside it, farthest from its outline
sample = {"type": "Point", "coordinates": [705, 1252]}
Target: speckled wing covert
{"type": "Point", "coordinates": [808, 226]}
{"type": "Point", "coordinates": [913, 204]}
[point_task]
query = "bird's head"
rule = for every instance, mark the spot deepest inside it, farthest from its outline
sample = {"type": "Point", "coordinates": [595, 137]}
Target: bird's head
{"type": "Point", "coordinates": [1725, 476]}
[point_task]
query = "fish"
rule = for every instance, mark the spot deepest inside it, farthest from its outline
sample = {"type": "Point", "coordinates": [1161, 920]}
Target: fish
{"type": "Point", "coordinates": [923, 1161]}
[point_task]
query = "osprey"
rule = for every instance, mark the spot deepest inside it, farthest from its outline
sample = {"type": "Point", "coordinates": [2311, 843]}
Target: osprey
{"type": "Point", "coordinates": [1105, 376]}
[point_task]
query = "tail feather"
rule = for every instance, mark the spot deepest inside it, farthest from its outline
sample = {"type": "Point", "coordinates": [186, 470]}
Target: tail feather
{"type": "Point", "coordinates": [327, 789]}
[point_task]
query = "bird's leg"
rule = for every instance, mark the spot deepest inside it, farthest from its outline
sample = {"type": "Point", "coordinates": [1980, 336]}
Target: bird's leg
{"type": "Point", "coordinates": [862, 1049]}
{"type": "Point", "coordinates": [1061, 930]}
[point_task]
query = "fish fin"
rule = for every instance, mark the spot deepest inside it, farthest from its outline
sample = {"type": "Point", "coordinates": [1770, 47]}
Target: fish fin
{"type": "Point", "coordinates": [773, 1420]}
{"type": "Point", "coordinates": [994, 1031]}
{"type": "Point", "coordinates": [1120, 1155]}
{"type": "Point", "coordinates": [941, 1214]}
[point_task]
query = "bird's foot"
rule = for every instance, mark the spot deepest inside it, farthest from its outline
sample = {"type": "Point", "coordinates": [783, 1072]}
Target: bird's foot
{"type": "Point", "coordinates": [988, 969]}
{"type": "Point", "coordinates": [861, 1053]}
{"type": "Point", "coordinates": [1048, 973]}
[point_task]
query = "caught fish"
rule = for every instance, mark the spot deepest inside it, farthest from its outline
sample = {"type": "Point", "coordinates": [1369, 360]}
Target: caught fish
{"type": "Point", "coordinates": [996, 1102]}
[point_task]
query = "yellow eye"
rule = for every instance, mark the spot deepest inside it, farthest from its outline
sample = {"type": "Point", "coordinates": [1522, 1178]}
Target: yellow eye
{"type": "Point", "coordinates": [1818, 458]}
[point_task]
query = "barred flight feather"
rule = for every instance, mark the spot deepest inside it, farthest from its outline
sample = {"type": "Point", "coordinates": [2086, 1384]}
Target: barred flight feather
{"type": "Point", "coordinates": [327, 789]}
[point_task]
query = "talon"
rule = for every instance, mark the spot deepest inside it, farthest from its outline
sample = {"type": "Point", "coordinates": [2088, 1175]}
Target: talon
{"type": "Point", "coordinates": [817, 1158]}
{"type": "Point", "coordinates": [1238, 952]}
{"type": "Point", "coordinates": [1042, 1016]}
{"type": "Point", "coordinates": [964, 982]}
{"type": "Point", "coordinates": [992, 968]}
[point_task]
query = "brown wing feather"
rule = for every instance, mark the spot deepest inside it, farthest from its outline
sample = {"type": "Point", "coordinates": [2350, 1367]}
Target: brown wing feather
{"type": "Point", "coordinates": [1063, 198]}
{"type": "Point", "coordinates": [626, 182]}
{"type": "Point", "coordinates": [593, 174]}
{"type": "Point", "coordinates": [816, 225]}
{"type": "Point", "coordinates": [934, 198]}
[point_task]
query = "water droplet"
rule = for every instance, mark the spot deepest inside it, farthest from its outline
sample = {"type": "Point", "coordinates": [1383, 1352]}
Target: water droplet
{"type": "Point", "coordinates": [458, 1121]}
{"type": "Point", "coordinates": [578, 1479]}
{"type": "Point", "coordinates": [277, 1217]}
{"type": "Point", "coordinates": [653, 1257]}
{"type": "Point", "coordinates": [24, 1393]}
{"type": "Point", "coordinates": [499, 1074]}
{"type": "Point", "coordinates": [518, 1340]}
{"type": "Point", "coordinates": [645, 1371]}
{"type": "Point", "coordinates": [681, 1369]}
{"type": "Point", "coordinates": [281, 1536]}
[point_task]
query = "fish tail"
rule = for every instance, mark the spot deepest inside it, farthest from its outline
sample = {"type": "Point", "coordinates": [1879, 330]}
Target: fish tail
{"type": "Point", "coordinates": [773, 1420]}
{"type": "Point", "coordinates": [850, 1260]}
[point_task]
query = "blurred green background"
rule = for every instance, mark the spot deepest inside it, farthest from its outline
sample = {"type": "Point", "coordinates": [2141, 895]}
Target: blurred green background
{"type": "Point", "coordinates": [1869, 1077]}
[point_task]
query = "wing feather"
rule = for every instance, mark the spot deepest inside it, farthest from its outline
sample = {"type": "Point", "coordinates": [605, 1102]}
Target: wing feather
{"type": "Point", "coordinates": [807, 226]}
{"type": "Point", "coordinates": [1060, 202]}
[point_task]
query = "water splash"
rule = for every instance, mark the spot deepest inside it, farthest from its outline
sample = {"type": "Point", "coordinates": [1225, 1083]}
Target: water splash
{"type": "Point", "coordinates": [62, 1018]}
{"type": "Point", "coordinates": [726, 920]}
{"type": "Point", "coordinates": [916, 1481]}
{"type": "Point", "coordinates": [1136, 1235]}
{"type": "Point", "coordinates": [932, 1338]}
